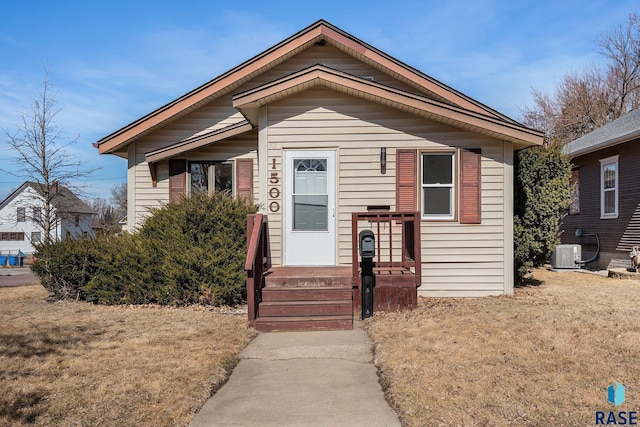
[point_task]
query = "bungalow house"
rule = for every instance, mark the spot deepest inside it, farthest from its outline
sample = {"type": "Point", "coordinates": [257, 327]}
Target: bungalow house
{"type": "Point", "coordinates": [22, 215]}
{"type": "Point", "coordinates": [331, 136]}
{"type": "Point", "coordinates": [606, 192]}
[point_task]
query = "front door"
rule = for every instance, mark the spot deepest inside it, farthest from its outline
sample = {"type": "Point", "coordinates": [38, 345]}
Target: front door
{"type": "Point", "coordinates": [310, 207]}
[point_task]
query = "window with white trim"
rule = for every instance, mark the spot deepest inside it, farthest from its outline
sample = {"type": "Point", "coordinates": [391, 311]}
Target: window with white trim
{"type": "Point", "coordinates": [609, 187]}
{"type": "Point", "coordinates": [438, 185]}
{"type": "Point", "coordinates": [21, 214]}
{"type": "Point", "coordinates": [208, 177]}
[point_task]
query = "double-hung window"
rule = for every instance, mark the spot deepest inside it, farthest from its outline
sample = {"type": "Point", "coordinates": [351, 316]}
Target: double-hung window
{"type": "Point", "coordinates": [438, 185]}
{"type": "Point", "coordinates": [209, 177]}
{"type": "Point", "coordinates": [22, 214]}
{"type": "Point", "coordinates": [609, 187]}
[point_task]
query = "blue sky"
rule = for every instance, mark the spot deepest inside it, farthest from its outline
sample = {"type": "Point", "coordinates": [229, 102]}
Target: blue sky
{"type": "Point", "coordinates": [112, 62]}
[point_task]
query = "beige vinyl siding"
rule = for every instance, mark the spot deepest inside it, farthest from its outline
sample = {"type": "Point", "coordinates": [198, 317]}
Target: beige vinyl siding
{"type": "Point", "coordinates": [219, 112]}
{"type": "Point", "coordinates": [147, 196]}
{"type": "Point", "coordinates": [331, 57]}
{"type": "Point", "coordinates": [461, 260]}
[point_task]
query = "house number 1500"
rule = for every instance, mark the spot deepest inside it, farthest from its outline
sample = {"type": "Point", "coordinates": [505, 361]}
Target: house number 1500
{"type": "Point", "coordinates": [274, 192]}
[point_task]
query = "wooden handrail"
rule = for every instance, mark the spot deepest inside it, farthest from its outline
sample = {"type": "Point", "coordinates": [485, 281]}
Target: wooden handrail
{"type": "Point", "coordinates": [255, 264]}
{"type": "Point", "coordinates": [253, 239]}
{"type": "Point", "coordinates": [409, 253]}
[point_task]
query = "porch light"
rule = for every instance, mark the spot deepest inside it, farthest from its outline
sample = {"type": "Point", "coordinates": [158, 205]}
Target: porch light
{"type": "Point", "coordinates": [383, 160]}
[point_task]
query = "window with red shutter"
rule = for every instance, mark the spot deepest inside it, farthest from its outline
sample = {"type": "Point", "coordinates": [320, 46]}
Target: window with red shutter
{"type": "Point", "coordinates": [470, 187]}
{"type": "Point", "coordinates": [177, 178]}
{"type": "Point", "coordinates": [244, 178]}
{"type": "Point", "coordinates": [406, 180]}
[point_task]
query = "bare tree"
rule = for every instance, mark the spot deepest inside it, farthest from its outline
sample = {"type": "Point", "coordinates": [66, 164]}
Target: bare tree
{"type": "Point", "coordinates": [622, 49]}
{"type": "Point", "coordinates": [585, 105]}
{"type": "Point", "coordinates": [107, 217]}
{"type": "Point", "coordinates": [585, 101]}
{"type": "Point", "coordinates": [38, 146]}
{"type": "Point", "coordinates": [119, 198]}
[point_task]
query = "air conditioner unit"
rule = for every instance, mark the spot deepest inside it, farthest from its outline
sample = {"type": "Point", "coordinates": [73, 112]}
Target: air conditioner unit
{"type": "Point", "coordinates": [566, 256]}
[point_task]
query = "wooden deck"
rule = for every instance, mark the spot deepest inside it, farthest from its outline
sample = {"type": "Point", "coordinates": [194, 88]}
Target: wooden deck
{"type": "Point", "coordinates": [324, 298]}
{"type": "Point", "coordinates": [328, 298]}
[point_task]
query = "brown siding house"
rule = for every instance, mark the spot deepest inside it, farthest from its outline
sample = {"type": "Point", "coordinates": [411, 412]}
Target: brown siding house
{"type": "Point", "coordinates": [606, 192]}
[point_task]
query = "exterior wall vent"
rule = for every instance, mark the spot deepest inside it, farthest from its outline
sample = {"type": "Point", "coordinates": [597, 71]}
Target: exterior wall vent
{"type": "Point", "coordinates": [566, 257]}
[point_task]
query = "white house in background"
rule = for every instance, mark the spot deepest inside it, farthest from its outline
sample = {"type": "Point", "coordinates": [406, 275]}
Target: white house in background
{"type": "Point", "coordinates": [22, 212]}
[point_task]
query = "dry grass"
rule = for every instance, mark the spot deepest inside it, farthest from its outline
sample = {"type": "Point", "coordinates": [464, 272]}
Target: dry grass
{"type": "Point", "coordinates": [542, 357]}
{"type": "Point", "coordinates": [76, 364]}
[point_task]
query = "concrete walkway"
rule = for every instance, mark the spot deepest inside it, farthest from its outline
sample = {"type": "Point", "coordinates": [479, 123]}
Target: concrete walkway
{"type": "Point", "coordinates": [302, 379]}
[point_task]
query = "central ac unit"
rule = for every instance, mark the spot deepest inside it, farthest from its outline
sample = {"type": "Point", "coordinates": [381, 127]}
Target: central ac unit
{"type": "Point", "coordinates": [566, 256]}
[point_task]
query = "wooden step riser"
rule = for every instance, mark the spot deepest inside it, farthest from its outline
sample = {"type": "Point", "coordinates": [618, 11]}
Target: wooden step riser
{"type": "Point", "coordinates": [302, 309]}
{"type": "Point", "coordinates": [306, 294]}
{"type": "Point", "coordinates": [306, 281]}
{"type": "Point", "coordinates": [303, 324]}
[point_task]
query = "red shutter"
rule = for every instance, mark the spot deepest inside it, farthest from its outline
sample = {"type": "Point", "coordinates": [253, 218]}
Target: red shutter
{"type": "Point", "coordinates": [177, 178]}
{"type": "Point", "coordinates": [470, 191]}
{"type": "Point", "coordinates": [244, 178]}
{"type": "Point", "coordinates": [406, 180]}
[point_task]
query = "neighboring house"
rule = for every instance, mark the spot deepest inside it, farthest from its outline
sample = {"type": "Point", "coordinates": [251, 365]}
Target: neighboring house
{"type": "Point", "coordinates": [323, 125]}
{"type": "Point", "coordinates": [606, 191]}
{"type": "Point", "coordinates": [22, 213]}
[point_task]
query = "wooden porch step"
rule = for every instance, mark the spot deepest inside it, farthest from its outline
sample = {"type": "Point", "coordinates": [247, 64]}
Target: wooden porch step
{"type": "Point", "coordinates": [304, 323]}
{"type": "Point", "coordinates": [305, 308]}
{"type": "Point", "coordinates": [315, 293]}
{"type": "Point", "coordinates": [308, 277]}
{"type": "Point", "coordinates": [306, 299]}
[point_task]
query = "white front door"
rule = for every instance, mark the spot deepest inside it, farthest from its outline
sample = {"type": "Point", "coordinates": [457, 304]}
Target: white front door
{"type": "Point", "coordinates": [310, 207]}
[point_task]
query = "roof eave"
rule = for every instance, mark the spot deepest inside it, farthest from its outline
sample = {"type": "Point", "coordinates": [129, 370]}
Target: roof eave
{"type": "Point", "coordinates": [250, 101]}
{"type": "Point", "coordinates": [605, 144]}
{"type": "Point", "coordinates": [115, 142]}
{"type": "Point", "coordinates": [196, 142]}
{"type": "Point", "coordinates": [127, 134]}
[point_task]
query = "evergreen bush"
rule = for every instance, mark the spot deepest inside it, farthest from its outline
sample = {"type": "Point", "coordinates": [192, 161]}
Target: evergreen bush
{"type": "Point", "coordinates": [190, 251]}
{"type": "Point", "coordinates": [542, 197]}
{"type": "Point", "coordinates": [66, 266]}
{"type": "Point", "coordinates": [200, 245]}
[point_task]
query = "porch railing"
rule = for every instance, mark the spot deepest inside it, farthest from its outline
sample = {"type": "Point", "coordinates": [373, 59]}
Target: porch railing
{"type": "Point", "coordinates": [257, 261]}
{"type": "Point", "coordinates": [397, 242]}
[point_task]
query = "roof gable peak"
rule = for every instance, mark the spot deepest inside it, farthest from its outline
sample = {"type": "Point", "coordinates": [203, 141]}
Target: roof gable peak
{"type": "Point", "coordinates": [319, 33]}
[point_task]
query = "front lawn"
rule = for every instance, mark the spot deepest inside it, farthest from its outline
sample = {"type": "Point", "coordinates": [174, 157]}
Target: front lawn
{"type": "Point", "coordinates": [78, 364]}
{"type": "Point", "coordinates": [542, 357]}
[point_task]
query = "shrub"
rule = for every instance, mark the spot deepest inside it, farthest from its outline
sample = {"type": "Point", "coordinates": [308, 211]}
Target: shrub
{"type": "Point", "coordinates": [542, 196]}
{"type": "Point", "coordinates": [200, 243]}
{"type": "Point", "coordinates": [191, 251]}
{"type": "Point", "coordinates": [65, 267]}
{"type": "Point", "coordinates": [125, 275]}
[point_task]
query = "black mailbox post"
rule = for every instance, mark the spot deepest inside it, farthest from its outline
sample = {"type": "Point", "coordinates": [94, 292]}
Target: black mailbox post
{"type": "Point", "coordinates": [367, 252]}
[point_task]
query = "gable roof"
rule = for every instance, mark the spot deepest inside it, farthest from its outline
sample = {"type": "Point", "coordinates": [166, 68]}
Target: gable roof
{"type": "Point", "coordinates": [63, 201]}
{"type": "Point", "coordinates": [320, 32]}
{"type": "Point", "coordinates": [249, 101]}
{"type": "Point", "coordinates": [620, 130]}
